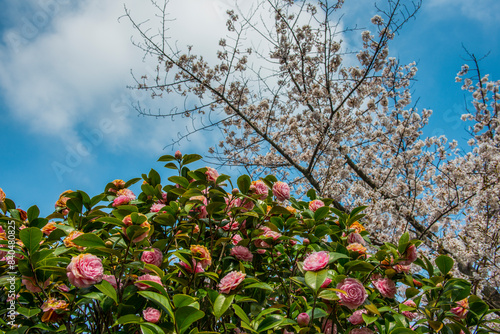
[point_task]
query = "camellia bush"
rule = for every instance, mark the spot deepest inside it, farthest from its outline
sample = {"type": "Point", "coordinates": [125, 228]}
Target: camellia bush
{"type": "Point", "coordinates": [200, 255]}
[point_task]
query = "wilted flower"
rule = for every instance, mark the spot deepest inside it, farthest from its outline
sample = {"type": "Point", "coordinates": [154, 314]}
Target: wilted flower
{"type": "Point", "coordinates": [409, 256]}
{"type": "Point", "coordinates": [29, 283]}
{"type": "Point", "coordinates": [355, 238]}
{"type": "Point", "coordinates": [357, 227]}
{"type": "Point", "coordinates": [363, 330]}
{"type": "Point", "coordinates": [49, 228]}
{"type": "Point", "coordinates": [50, 307]}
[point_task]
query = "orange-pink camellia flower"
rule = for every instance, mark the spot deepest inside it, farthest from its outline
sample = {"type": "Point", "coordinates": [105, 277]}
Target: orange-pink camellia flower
{"type": "Point", "coordinates": [68, 241]}
{"type": "Point", "coordinates": [119, 184]}
{"type": "Point", "coordinates": [2, 195]}
{"type": "Point", "coordinates": [201, 255]}
{"type": "Point", "coordinates": [259, 188]}
{"type": "Point", "coordinates": [50, 307]}
{"type": "Point", "coordinates": [231, 281]}
{"type": "Point", "coordinates": [316, 261]}
{"type": "Point", "coordinates": [281, 191]}
{"type": "Point", "coordinates": [85, 270]}
{"type": "Point", "coordinates": [461, 310]}
{"type": "Point", "coordinates": [49, 228]}
{"type": "Point", "coordinates": [315, 205]}
{"type": "Point", "coordinates": [355, 247]}
{"type": "Point", "coordinates": [151, 315]}
{"type": "Point", "coordinates": [355, 293]}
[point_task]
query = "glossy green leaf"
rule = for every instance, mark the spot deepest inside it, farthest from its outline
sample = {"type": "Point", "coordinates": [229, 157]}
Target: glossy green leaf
{"type": "Point", "coordinates": [106, 288]}
{"type": "Point", "coordinates": [270, 322]}
{"type": "Point", "coordinates": [185, 316]}
{"type": "Point", "coordinates": [31, 238]}
{"type": "Point", "coordinates": [159, 299]}
{"type": "Point", "coordinates": [244, 183]}
{"type": "Point", "coordinates": [89, 240]}
{"type": "Point", "coordinates": [222, 303]}
{"type": "Point", "coordinates": [314, 279]}
{"type": "Point", "coordinates": [444, 263]}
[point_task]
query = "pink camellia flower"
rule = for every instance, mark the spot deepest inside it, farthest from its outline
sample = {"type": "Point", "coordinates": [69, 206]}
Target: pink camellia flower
{"type": "Point", "coordinates": [202, 255]}
{"type": "Point", "coordinates": [409, 256]}
{"type": "Point", "coordinates": [402, 269]}
{"type": "Point", "coordinates": [261, 251]}
{"type": "Point", "coordinates": [151, 315]}
{"type": "Point", "coordinates": [211, 174]}
{"type": "Point", "coordinates": [111, 279]}
{"type": "Point", "coordinates": [29, 282]}
{"type": "Point", "coordinates": [147, 277]}
{"type": "Point", "coordinates": [259, 188]}
{"type": "Point", "coordinates": [231, 281]}
{"type": "Point", "coordinates": [196, 265]}
{"type": "Point", "coordinates": [461, 310]}
{"type": "Point", "coordinates": [268, 233]}
{"type": "Point", "coordinates": [408, 314]}
{"type": "Point", "coordinates": [315, 205]}
{"type": "Point", "coordinates": [242, 253]}
{"type": "Point", "coordinates": [363, 330]}
{"type": "Point", "coordinates": [126, 192]}
{"type": "Point", "coordinates": [63, 287]}
{"type": "Point", "coordinates": [259, 243]}
{"type": "Point", "coordinates": [178, 154]}
{"type": "Point", "coordinates": [121, 200]}
{"type": "Point", "coordinates": [326, 283]}
{"type": "Point", "coordinates": [355, 293]}
{"type": "Point", "coordinates": [357, 317]}
{"type": "Point", "coordinates": [316, 261]}
{"type": "Point", "coordinates": [157, 207]}
{"type": "Point", "coordinates": [236, 239]}
{"type": "Point", "coordinates": [287, 332]}
{"type": "Point", "coordinates": [386, 287]}
{"type": "Point", "coordinates": [85, 270]}
{"type": "Point", "coordinates": [153, 256]}
{"type": "Point", "coordinates": [233, 225]}
{"type": "Point", "coordinates": [355, 238]}
{"type": "Point", "coordinates": [303, 319]}
{"type": "Point", "coordinates": [281, 191]}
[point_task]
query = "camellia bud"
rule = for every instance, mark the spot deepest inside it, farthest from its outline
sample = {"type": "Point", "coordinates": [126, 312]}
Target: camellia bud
{"type": "Point", "coordinates": [108, 244]}
{"type": "Point", "coordinates": [235, 191]}
{"type": "Point", "coordinates": [178, 154]}
{"type": "Point", "coordinates": [303, 319]}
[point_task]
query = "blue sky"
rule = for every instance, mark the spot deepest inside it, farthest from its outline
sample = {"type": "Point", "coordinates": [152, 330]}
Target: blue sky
{"type": "Point", "coordinates": [66, 115]}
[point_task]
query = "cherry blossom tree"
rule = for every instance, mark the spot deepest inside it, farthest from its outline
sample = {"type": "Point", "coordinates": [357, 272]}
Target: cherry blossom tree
{"type": "Point", "coordinates": [321, 107]}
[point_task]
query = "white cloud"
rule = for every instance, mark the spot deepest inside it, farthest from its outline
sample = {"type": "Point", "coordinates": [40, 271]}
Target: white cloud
{"type": "Point", "coordinates": [485, 11]}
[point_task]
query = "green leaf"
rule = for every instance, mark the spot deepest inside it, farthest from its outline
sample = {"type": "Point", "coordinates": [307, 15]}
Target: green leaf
{"type": "Point", "coordinates": [128, 319]}
{"type": "Point", "coordinates": [244, 183]}
{"type": "Point", "coordinates": [31, 238]}
{"type": "Point", "coordinates": [181, 300]}
{"type": "Point", "coordinates": [106, 288]}
{"type": "Point", "coordinates": [160, 300]}
{"type": "Point", "coordinates": [189, 158]}
{"type": "Point", "coordinates": [444, 263]}
{"type": "Point", "coordinates": [335, 256]}
{"type": "Point", "coordinates": [33, 213]}
{"type": "Point", "coordinates": [328, 294]}
{"type": "Point", "coordinates": [403, 242]}
{"type": "Point", "coordinates": [259, 285]}
{"type": "Point", "coordinates": [166, 158]}
{"type": "Point", "coordinates": [150, 328]}
{"type": "Point", "coordinates": [369, 319]}
{"type": "Point", "coordinates": [182, 181]}
{"type": "Point", "coordinates": [89, 240]}
{"type": "Point", "coordinates": [222, 303]}
{"type": "Point", "coordinates": [321, 213]}
{"type": "Point", "coordinates": [402, 330]}
{"type": "Point", "coordinates": [411, 292]}
{"type": "Point", "coordinates": [185, 316]}
{"type": "Point", "coordinates": [358, 265]}
{"type": "Point", "coordinates": [270, 322]}
{"type": "Point", "coordinates": [28, 312]}
{"type": "Point", "coordinates": [311, 193]}
{"type": "Point", "coordinates": [241, 314]}
{"type": "Point", "coordinates": [314, 279]}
